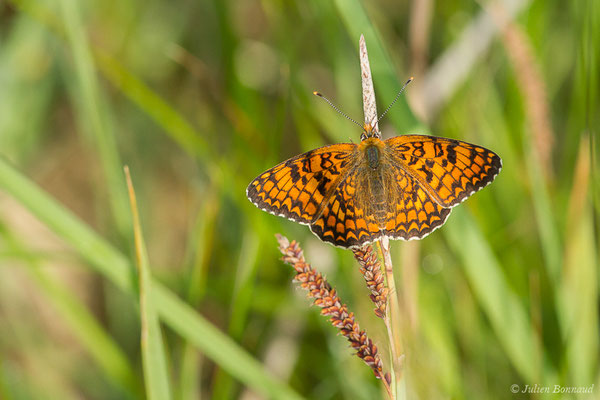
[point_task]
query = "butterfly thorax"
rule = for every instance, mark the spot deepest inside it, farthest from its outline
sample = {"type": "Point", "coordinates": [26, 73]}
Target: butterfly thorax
{"type": "Point", "coordinates": [372, 150]}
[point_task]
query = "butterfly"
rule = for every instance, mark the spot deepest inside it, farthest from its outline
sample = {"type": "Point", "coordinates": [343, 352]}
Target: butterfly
{"type": "Point", "coordinates": [353, 194]}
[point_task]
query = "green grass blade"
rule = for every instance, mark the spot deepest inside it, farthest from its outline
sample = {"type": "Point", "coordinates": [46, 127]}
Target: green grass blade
{"type": "Point", "coordinates": [545, 219]}
{"type": "Point", "coordinates": [81, 322]}
{"type": "Point", "coordinates": [577, 298]}
{"type": "Point", "coordinates": [156, 375]}
{"type": "Point", "coordinates": [242, 299]}
{"type": "Point", "coordinates": [436, 330]}
{"type": "Point", "coordinates": [578, 302]}
{"type": "Point", "coordinates": [105, 258]}
{"type": "Point", "coordinates": [386, 82]}
{"type": "Point", "coordinates": [245, 283]}
{"type": "Point", "coordinates": [218, 347]}
{"type": "Point", "coordinates": [116, 267]}
{"type": "Point", "coordinates": [176, 126]}
{"type": "Point", "coordinates": [90, 101]}
{"type": "Point", "coordinates": [188, 384]}
{"type": "Point", "coordinates": [502, 306]}
{"type": "Point", "coordinates": [92, 336]}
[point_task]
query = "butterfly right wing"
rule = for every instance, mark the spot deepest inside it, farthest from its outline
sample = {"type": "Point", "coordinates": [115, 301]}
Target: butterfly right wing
{"type": "Point", "coordinates": [450, 170]}
{"type": "Point", "coordinates": [299, 187]}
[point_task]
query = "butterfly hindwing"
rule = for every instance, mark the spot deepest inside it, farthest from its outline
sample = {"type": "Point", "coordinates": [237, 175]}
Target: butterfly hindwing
{"type": "Point", "coordinates": [450, 170]}
{"type": "Point", "coordinates": [298, 187]}
{"type": "Point", "coordinates": [343, 221]}
{"type": "Point", "coordinates": [415, 214]}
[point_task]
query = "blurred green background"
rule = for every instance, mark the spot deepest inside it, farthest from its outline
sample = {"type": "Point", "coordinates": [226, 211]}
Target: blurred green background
{"type": "Point", "coordinates": [199, 97]}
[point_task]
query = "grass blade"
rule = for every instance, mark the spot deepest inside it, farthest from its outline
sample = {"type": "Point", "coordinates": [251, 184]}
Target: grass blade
{"type": "Point", "coordinates": [80, 321]}
{"type": "Point", "coordinates": [578, 291]}
{"type": "Point", "coordinates": [112, 264]}
{"type": "Point", "coordinates": [176, 126]}
{"type": "Point", "coordinates": [90, 102]}
{"type": "Point", "coordinates": [218, 347]}
{"type": "Point", "coordinates": [242, 298]}
{"type": "Point", "coordinates": [88, 331]}
{"type": "Point", "coordinates": [502, 306]}
{"type": "Point", "coordinates": [156, 376]}
{"type": "Point", "coordinates": [384, 77]}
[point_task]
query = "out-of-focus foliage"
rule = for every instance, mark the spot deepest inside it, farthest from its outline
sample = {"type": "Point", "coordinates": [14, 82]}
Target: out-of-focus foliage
{"type": "Point", "coordinates": [200, 97]}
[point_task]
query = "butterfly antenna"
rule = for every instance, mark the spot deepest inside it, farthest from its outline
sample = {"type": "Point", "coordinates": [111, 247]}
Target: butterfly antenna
{"type": "Point", "coordinates": [335, 108]}
{"type": "Point", "coordinates": [397, 97]}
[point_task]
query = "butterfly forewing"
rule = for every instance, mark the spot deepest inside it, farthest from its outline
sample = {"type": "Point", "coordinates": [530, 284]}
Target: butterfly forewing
{"type": "Point", "coordinates": [297, 188]}
{"type": "Point", "coordinates": [450, 170]}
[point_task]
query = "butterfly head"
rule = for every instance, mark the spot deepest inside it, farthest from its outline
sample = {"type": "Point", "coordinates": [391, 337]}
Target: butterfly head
{"type": "Point", "coordinates": [369, 131]}
{"type": "Point", "coordinates": [370, 128]}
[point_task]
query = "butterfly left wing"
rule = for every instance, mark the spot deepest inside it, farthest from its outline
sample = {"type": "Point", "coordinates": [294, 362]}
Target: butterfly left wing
{"type": "Point", "coordinates": [449, 170]}
{"type": "Point", "coordinates": [299, 187]}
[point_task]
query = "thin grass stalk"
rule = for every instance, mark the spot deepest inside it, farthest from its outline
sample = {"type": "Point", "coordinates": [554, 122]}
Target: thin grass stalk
{"type": "Point", "coordinates": [156, 376]}
{"type": "Point", "coordinates": [392, 315]}
{"type": "Point", "coordinates": [392, 320]}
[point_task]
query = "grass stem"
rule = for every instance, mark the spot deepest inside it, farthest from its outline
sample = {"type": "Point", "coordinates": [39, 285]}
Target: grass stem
{"type": "Point", "coordinates": [392, 321]}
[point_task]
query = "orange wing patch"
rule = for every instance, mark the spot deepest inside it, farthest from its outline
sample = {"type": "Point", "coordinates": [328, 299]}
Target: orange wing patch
{"type": "Point", "coordinates": [449, 170]}
{"type": "Point", "coordinates": [297, 188]}
{"type": "Point", "coordinates": [343, 222]}
{"type": "Point", "coordinates": [416, 214]}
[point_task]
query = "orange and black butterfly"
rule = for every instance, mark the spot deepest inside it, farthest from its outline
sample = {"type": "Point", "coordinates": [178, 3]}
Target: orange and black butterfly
{"type": "Point", "coordinates": [352, 194]}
